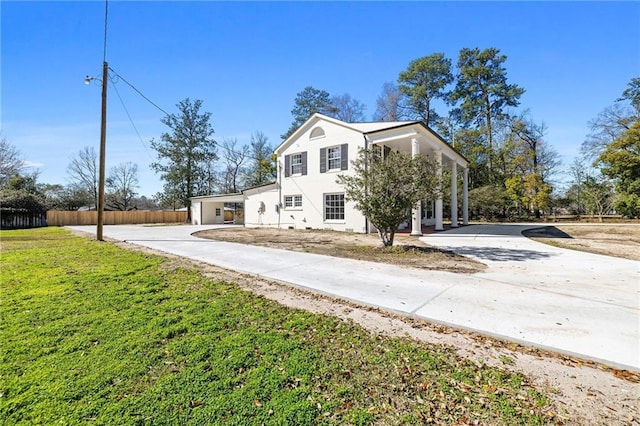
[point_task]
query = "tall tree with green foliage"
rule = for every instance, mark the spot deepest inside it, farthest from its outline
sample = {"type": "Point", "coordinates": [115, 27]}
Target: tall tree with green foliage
{"type": "Point", "coordinates": [632, 94]}
{"type": "Point", "coordinates": [185, 152]}
{"type": "Point", "coordinates": [620, 161]}
{"type": "Point", "coordinates": [308, 101]}
{"type": "Point", "coordinates": [468, 143]}
{"type": "Point", "coordinates": [489, 201]}
{"type": "Point", "coordinates": [22, 193]}
{"type": "Point", "coordinates": [598, 195]}
{"type": "Point", "coordinates": [262, 167]}
{"type": "Point", "coordinates": [425, 80]}
{"type": "Point", "coordinates": [59, 197]}
{"type": "Point", "coordinates": [613, 121]}
{"type": "Point", "coordinates": [483, 93]}
{"type": "Point", "coordinates": [614, 146]}
{"type": "Point", "coordinates": [530, 192]}
{"type": "Point", "coordinates": [386, 189]}
{"type": "Point", "coordinates": [536, 161]}
{"type": "Point", "coordinates": [169, 200]}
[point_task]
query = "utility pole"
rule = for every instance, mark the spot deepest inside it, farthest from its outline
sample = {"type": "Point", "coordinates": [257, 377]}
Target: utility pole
{"type": "Point", "coordinates": [103, 146]}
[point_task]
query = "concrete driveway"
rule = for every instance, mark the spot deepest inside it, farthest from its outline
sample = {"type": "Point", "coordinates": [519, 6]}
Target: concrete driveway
{"type": "Point", "coordinates": [575, 303]}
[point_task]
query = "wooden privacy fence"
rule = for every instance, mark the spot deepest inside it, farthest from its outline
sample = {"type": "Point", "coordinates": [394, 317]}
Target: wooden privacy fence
{"type": "Point", "coordinates": [65, 218]}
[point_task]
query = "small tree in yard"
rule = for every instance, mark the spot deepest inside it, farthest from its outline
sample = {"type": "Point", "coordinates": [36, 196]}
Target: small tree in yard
{"type": "Point", "coordinates": [386, 189]}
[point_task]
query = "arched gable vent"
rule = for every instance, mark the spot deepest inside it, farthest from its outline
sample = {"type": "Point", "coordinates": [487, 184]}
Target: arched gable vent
{"type": "Point", "coordinates": [318, 132]}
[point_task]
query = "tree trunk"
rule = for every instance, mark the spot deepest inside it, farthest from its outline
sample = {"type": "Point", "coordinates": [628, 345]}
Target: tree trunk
{"type": "Point", "coordinates": [489, 138]}
{"type": "Point", "coordinates": [386, 237]}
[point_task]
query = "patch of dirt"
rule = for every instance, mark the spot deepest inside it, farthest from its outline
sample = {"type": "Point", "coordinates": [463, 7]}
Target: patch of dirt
{"type": "Point", "coordinates": [617, 240]}
{"type": "Point", "coordinates": [406, 251]}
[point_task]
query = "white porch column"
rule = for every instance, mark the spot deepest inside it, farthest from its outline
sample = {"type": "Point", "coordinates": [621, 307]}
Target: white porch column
{"type": "Point", "coordinates": [416, 212]}
{"type": "Point", "coordinates": [454, 194]}
{"type": "Point", "coordinates": [439, 226]}
{"type": "Point", "coordinates": [465, 196]}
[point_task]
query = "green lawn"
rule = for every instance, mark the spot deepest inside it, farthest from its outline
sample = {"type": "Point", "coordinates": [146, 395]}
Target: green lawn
{"type": "Point", "coordinates": [92, 333]}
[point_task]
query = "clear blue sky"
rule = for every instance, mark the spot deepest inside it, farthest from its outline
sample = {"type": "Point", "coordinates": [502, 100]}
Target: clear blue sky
{"type": "Point", "coordinates": [247, 61]}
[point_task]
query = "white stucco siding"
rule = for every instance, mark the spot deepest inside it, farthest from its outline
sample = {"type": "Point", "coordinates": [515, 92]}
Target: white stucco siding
{"type": "Point", "coordinates": [212, 213]}
{"type": "Point", "coordinates": [196, 209]}
{"type": "Point", "coordinates": [255, 200]}
{"type": "Point", "coordinates": [307, 194]}
{"type": "Point", "coordinates": [313, 186]}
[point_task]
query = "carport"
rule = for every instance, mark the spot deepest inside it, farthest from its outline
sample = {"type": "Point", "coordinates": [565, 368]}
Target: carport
{"type": "Point", "coordinates": [210, 209]}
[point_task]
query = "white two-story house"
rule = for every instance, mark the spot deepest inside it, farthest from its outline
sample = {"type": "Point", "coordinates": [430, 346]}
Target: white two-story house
{"type": "Point", "coordinates": [306, 194]}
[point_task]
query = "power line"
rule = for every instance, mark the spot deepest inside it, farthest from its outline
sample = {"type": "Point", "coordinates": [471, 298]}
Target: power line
{"type": "Point", "coordinates": [131, 120]}
{"type": "Point", "coordinates": [220, 145]}
{"type": "Point", "coordinates": [139, 92]}
{"type": "Point", "coordinates": [229, 150]}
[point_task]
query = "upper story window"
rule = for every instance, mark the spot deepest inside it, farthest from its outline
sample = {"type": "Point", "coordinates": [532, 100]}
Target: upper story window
{"type": "Point", "coordinates": [295, 164]}
{"type": "Point", "coordinates": [317, 132]}
{"type": "Point", "coordinates": [334, 158]}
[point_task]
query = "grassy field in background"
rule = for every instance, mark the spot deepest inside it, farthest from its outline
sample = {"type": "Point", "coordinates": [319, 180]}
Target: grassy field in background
{"type": "Point", "coordinates": [92, 333]}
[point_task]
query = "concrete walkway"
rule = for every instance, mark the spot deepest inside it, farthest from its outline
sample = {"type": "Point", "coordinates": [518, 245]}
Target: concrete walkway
{"type": "Point", "coordinates": [575, 303]}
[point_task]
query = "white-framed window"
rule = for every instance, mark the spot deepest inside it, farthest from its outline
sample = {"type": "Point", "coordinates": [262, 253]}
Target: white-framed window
{"type": "Point", "coordinates": [296, 164]}
{"type": "Point", "coordinates": [333, 158]}
{"type": "Point", "coordinates": [292, 201]}
{"type": "Point", "coordinates": [333, 206]}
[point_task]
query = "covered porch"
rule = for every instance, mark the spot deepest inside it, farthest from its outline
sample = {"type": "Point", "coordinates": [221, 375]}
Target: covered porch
{"type": "Point", "coordinates": [416, 138]}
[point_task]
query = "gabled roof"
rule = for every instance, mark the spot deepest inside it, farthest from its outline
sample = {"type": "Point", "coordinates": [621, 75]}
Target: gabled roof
{"type": "Point", "coordinates": [364, 127]}
{"type": "Point", "coordinates": [375, 126]}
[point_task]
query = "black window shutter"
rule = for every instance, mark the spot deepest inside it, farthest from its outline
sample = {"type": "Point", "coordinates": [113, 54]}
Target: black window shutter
{"type": "Point", "coordinates": [304, 163]}
{"type": "Point", "coordinates": [287, 165]}
{"type": "Point", "coordinates": [323, 160]}
{"type": "Point", "coordinates": [344, 156]}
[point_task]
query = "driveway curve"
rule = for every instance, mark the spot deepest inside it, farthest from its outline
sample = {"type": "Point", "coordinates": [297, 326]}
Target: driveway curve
{"type": "Point", "coordinates": [579, 304]}
{"type": "Point", "coordinates": [553, 297]}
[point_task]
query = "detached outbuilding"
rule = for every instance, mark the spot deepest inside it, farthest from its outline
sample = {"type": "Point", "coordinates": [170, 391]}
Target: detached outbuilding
{"type": "Point", "coordinates": [217, 209]}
